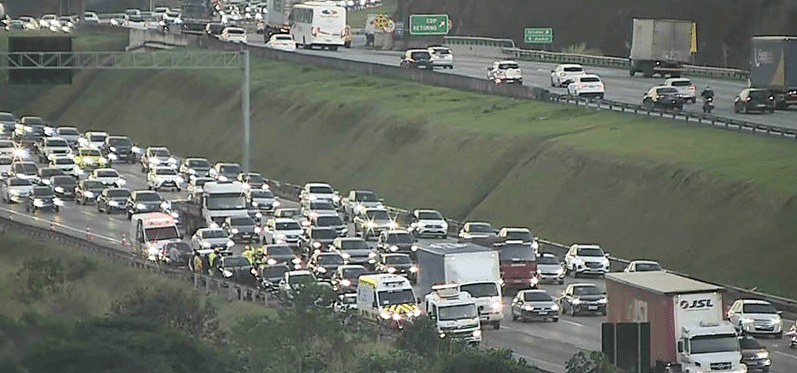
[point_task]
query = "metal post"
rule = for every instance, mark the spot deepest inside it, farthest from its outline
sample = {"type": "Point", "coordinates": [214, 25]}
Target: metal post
{"type": "Point", "coordinates": [245, 108]}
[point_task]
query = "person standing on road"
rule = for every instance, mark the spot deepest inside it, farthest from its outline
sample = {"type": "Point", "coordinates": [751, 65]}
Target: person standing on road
{"type": "Point", "coordinates": [249, 254]}
{"type": "Point", "coordinates": [213, 259]}
{"type": "Point", "coordinates": [197, 262]}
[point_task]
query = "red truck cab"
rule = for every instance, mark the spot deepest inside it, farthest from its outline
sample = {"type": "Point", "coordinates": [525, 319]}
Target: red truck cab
{"type": "Point", "coordinates": [518, 266]}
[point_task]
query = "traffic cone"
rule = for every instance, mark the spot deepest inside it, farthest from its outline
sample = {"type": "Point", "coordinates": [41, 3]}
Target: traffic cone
{"type": "Point", "coordinates": [89, 236]}
{"type": "Point", "coordinates": [124, 240]}
{"type": "Point", "coordinates": [52, 225]}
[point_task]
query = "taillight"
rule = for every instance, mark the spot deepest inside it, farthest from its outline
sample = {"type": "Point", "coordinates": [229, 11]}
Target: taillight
{"type": "Point", "coordinates": [771, 98]}
{"type": "Point", "coordinates": [692, 88]}
{"type": "Point", "coordinates": [600, 85]}
{"type": "Point", "coordinates": [314, 31]}
{"type": "Point", "coordinates": [748, 99]}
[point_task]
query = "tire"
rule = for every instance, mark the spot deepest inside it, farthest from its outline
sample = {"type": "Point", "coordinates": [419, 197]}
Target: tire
{"type": "Point", "coordinates": [57, 209]}
{"type": "Point", "coordinates": [497, 325]}
{"type": "Point", "coordinates": [514, 317]}
{"type": "Point", "coordinates": [631, 72]}
{"type": "Point", "coordinates": [745, 110]}
{"type": "Point", "coordinates": [129, 216]}
{"type": "Point", "coordinates": [779, 335]}
{"type": "Point", "coordinates": [552, 85]}
{"type": "Point", "coordinates": [561, 282]}
{"type": "Point", "coordinates": [27, 208]}
{"type": "Point", "coordinates": [572, 311]}
{"type": "Point", "coordinates": [333, 48]}
{"type": "Point", "coordinates": [555, 319]}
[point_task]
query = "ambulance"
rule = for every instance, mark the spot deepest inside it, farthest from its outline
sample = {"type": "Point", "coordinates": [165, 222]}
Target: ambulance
{"type": "Point", "coordinates": [387, 300]}
{"type": "Point", "coordinates": [150, 232]}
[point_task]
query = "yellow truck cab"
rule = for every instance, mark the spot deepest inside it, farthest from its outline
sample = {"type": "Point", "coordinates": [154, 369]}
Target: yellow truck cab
{"type": "Point", "coordinates": [387, 300]}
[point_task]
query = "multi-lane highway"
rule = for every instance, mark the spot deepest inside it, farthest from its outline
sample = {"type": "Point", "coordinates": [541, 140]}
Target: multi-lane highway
{"type": "Point", "coordinates": [546, 344]}
{"type": "Point", "coordinates": [619, 85]}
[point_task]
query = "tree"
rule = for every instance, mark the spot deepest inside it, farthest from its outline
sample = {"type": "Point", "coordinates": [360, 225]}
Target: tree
{"type": "Point", "coordinates": [474, 360]}
{"type": "Point", "coordinates": [595, 362]}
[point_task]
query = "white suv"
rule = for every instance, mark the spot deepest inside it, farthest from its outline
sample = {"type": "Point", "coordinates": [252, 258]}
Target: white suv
{"type": "Point", "coordinates": [586, 259]}
{"type": "Point", "coordinates": [563, 74]}
{"type": "Point", "coordinates": [507, 72]}
{"type": "Point", "coordinates": [233, 34]}
{"type": "Point", "coordinates": [164, 177]}
{"type": "Point", "coordinates": [755, 316]}
{"type": "Point", "coordinates": [108, 177]}
{"type": "Point", "coordinates": [589, 85]}
{"type": "Point", "coordinates": [684, 87]}
{"type": "Point", "coordinates": [441, 57]}
{"type": "Point", "coordinates": [428, 222]}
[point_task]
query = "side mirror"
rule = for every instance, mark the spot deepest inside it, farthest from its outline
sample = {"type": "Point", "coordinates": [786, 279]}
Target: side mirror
{"type": "Point", "coordinates": [606, 255]}
{"type": "Point", "coordinates": [680, 346]}
{"type": "Point", "coordinates": [780, 312]}
{"type": "Point", "coordinates": [553, 71]}
{"type": "Point", "coordinates": [381, 200]}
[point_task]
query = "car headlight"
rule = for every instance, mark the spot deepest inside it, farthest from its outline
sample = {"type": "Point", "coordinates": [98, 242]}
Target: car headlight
{"type": "Point", "coordinates": [112, 156]}
{"type": "Point", "coordinates": [346, 255]}
{"type": "Point", "coordinates": [477, 333]}
{"type": "Point", "coordinates": [534, 281]}
{"type": "Point", "coordinates": [172, 160]}
{"type": "Point", "coordinates": [385, 315]}
{"type": "Point", "coordinates": [336, 199]}
{"type": "Point", "coordinates": [396, 316]}
{"type": "Point", "coordinates": [158, 179]}
{"type": "Point", "coordinates": [257, 229]}
{"type": "Point", "coordinates": [317, 244]}
{"type": "Point", "coordinates": [414, 269]}
{"type": "Point", "coordinates": [414, 248]}
{"type": "Point", "coordinates": [255, 204]}
{"type": "Point", "coordinates": [113, 203]}
{"type": "Point", "coordinates": [555, 307]}
{"type": "Point", "coordinates": [372, 255]}
{"type": "Point", "coordinates": [391, 269]}
{"type": "Point", "coordinates": [747, 320]}
{"type": "Point", "coordinates": [88, 160]}
{"type": "Point", "coordinates": [272, 261]}
{"type": "Point", "coordinates": [345, 282]}
{"type": "Point", "coordinates": [416, 312]}
{"type": "Point", "coordinates": [762, 354]}
{"type": "Point", "coordinates": [276, 203]}
{"type": "Point", "coordinates": [313, 198]}
{"type": "Point", "coordinates": [445, 226]}
{"type": "Point", "coordinates": [394, 248]}
{"type": "Point", "coordinates": [258, 215]}
{"type": "Point", "coordinates": [227, 273]}
{"type": "Point", "coordinates": [206, 244]}
{"type": "Point", "coordinates": [175, 215]}
{"type": "Point", "coordinates": [38, 202]}
{"type": "Point", "coordinates": [153, 162]}
{"type": "Point", "coordinates": [153, 250]}
{"type": "Point", "coordinates": [393, 225]}
{"type": "Point", "coordinates": [535, 245]}
{"type": "Point", "coordinates": [234, 230]}
{"type": "Point", "coordinates": [88, 194]}
{"type": "Point", "coordinates": [140, 206]}
{"type": "Point", "coordinates": [166, 205]}
{"type": "Point", "coordinates": [112, 148]}
{"type": "Point", "coordinates": [497, 305]}
{"type": "Point", "coordinates": [222, 178]}
{"type": "Point", "coordinates": [576, 301]}
{"type": "Point", "coordinates": [14, 192]}
{"type": "Point", "coordinates": [560, 271]}
{"type": "Point", "coordinates": [191, 171]}
{"type": "Point", "coordinates": [602, 301]}
{"type": "Point", "coordinates": [528, 307]}
{"type": "Point", "coordinates": [321, 269]}
{"type": "Point", "coordinates": [199, 190]}
{"type": "Point", "coordinates": [230, 243]}
{"type": "Point", "coordinates": [370, 224]}
{"type": "Point", "coordinates": [59, 189]}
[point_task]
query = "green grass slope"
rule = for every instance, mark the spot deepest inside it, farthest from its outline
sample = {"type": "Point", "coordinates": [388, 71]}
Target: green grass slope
{"type": "Point", "coordinates": [700, 200]}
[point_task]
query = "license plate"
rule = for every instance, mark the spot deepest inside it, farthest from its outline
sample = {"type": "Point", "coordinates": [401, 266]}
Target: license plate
{"type": "Point", "coordinates": [592, 307]}
{"type": "Point", "coordinates": [543, 313]}
{"type": "Point", "coordinates": [761, 105]}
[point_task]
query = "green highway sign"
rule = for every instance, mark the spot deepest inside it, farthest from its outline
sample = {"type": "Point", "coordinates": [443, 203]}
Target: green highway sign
{"type": "Point", "coordinates": [429, 24]}
{"type": "Point", "coordinates": [538, 35]}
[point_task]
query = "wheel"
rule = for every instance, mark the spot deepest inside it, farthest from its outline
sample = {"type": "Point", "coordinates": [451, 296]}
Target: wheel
{"type": "Point", "coordinates": [779, 335]}
{"type": "Point", "coordinates": [572, 311]}
{"type": "Point", "coordinates": [746, 110]}
{"type": "Point", "coordinates": [632, 72]}
{"type": "Point", "coordinates": [561, 282]}
{"type": "Point", "coordinates": [514, 317]}
{"type": "Point", "coordinates": [57, 209]}
{"type": "Point", "coordinates": [600, 96]}
{"type": "Point", "coordinates": [552, 85]}
{"type": "Point", "coordinates": [555, 319]}
{"type": "Point", "coordinates": [129, 215]}
{"type": "Point", "coordinates": [497, 325]}
{"type": "Point", "coordinates": [27, 208]}
{"type": "Point", "coordinates": [735, 109]}
{"type": "Point", "coordinates": [333, 48]}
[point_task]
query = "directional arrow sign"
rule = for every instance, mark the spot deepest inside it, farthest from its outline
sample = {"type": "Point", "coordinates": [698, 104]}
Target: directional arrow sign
{"type": "Point", "coordinates": [429, 24]}
{"type": "Point", "coordinates": [538, 35]}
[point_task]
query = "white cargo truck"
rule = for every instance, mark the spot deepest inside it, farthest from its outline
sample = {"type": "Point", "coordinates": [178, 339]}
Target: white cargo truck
{"type": "Point", "coordinates": [474, 268]}
{"type": "Point", "coordinates": [150, 232]}
{"type": "Point", "coordinates": [660, 46]}
{"type": "Point", "coordinates": [454, 312]}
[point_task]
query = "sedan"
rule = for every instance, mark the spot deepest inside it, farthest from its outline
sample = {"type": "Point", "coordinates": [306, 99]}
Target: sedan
{"type": "Point", "coordinates": [582, 298]}
{"type": "Point", "coordinates": [211, 238]}
{"type": "Point", "coordinates": [643, 266]}
{"type": "Point", "coordinates": [663, 98]}
{"type": "Point", "coordinates": [281, 254]}
{"type": "Point", "coordinates": [586, 86]}
{"type": "Point", "coordinates": [283, 42]}
{"type": "Point", "coordinates": [323, 265]}
{"type": "Point", "coordinates": [87, 191]}
{"type": "Point", "coordinates": [64, 186]}
{"type": "Point", "coordinates": [16, 190]}
{"type": "Point", "coordinates": [42, 198]}
{"type": "Point", "coordinates": [751, 99]}
{"type": "Point", "coordinates": [534, 304]}
{"type": "Point", "coordinates": [241, 228]}
{"type": "Point", "coordinates": [112, 199]}
{"type": "Point", "coordinates": [345, 278]}
{"type": "Point", "coordinates": [176, 254]}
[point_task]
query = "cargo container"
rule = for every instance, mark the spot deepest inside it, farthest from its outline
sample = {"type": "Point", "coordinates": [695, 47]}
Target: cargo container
{"type": "Point", "coordinates": [687, 329]}
{"type": "Point", "coordinates": [660, 46]}
{"type": "Point", "coordinates": [773, 66]}
{"type": "Point", "coordinates": [474, 268]}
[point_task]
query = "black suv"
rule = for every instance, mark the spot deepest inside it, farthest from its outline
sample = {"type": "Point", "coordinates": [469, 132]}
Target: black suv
{"type": "Point", "coordinates": [118, 149]}
{"type": "Point", "coordinates": [417, 58]}
{"type": "Point", "coordinates": [663, 98]}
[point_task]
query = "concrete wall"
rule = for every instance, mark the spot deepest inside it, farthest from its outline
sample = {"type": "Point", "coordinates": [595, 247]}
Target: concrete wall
{"type": "Point", "coordinates": [138, 37]}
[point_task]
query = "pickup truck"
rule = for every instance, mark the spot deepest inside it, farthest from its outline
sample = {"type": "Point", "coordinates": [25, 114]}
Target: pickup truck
{"type": "Point", "coordinates": [356, 201]}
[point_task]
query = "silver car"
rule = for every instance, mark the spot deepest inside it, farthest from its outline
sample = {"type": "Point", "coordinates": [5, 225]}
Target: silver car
{"type": "Point", "coordinates": [534, 304]}
{"type": "Point", "coordinates": [16, 190]}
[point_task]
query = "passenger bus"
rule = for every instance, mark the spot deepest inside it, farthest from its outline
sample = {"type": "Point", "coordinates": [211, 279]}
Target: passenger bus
{"type": "Point", "coordinates": [318, 24]}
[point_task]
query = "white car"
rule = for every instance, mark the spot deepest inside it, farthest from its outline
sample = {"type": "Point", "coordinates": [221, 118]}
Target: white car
{"type": "Point", "coordinates": [753, 316]}
{"type": "Point", "coordinates": [225, 171]}
{"type": "Point", "coordinates": [428, 222]}
{"type": "Point", "coordinates": [7, 148]}
{"type": "Point", "coordinates": [474, 230]}
{"type": "Point", "coordinates": [158, 156]}
{"type": "Point", "coordinates": [52, 147]}
{"type": "Point", "coordinates": [24, 170]}
{"type": "Point", "coordinates": [293, 280]}
{"type": "Point", "coordinates": [91, 17]}
{"type": "Point", "coordinates": [136, 22]}
{"type": "Point", "coordinates": [48, 21]}
{"type": "Point", "coordinates": [505, 72]}
{"type": "Point", "coordinates": [16, 190]}
{"type": "Point", "coordinates": [589, 85]}
{"type": "Point", "coordinates": [233, 34]}
{"type": "Point", "coordinates": [164, 177]}
{"type": "Point", "coordinates": [282, 231]}
{"type": "Point", "coordinates": [550, 269]}
{"type": "Point", "coordinates": [684, 86]}
{"type": "Point", "coordinates": [211, 238]}
{"type": "Point", "coordinates": [66, 164]}
{"type": "Point", "coordinates": [283, 42]}
{"type": "Point", "coordinates": [586, 259]}
{"type": "Point", "coordinates": [5, 165]}
{"type": "Point", "coordinates": [92, 139]}
{"type": "Point", "coordinates": [108, 177]}
{"type": "Point", "coordinates": [441, 57]}
{"type": "Point", "coordinates": [70, 134]}
{"type": "Point", "coordinates": [318, 192]}
{"type": "Point", "coordinates": [643, 266]}
{"type": "Point", "coordinates": [563, 74]}
{"type": "Point", "coordinates": [263, 199]}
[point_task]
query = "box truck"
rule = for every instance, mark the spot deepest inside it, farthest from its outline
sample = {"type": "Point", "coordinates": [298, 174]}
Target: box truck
{"type": "Point", "coordinates": [474, 268]}
{"type": "Point", "coordinates": [773, 66]}
{"type": "Point", "coordinates": [660, 46]}
{"type": "Point", "coordinates": [687, 329]}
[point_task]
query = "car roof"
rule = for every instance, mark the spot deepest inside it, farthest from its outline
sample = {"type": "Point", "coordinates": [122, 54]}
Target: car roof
{"type": "Point", "coordinates": [527, 291]}
{"type": "Point", "coordinates": [284, 220]}
{"type": "Point", "coordinates": [398, 231]}
{"type": "Point", "coordinates": [571, 65]}
{"type": "Point", "coordinates": [109, 169]}
{"type": "Point", "coordinates": [586, 246]}
{"type": "Point", "coordinates": [644, 262]}
{"type": "Point", "coordinates": [516, 229]}
{"type": "Point", "coordinates": [394, 254]}
{"type": "Point", "coordinates": [584, 284]}
{"type": "Point", "coordinates": [549, 254]}
{"type": "Point", "coordinates": [754, 301]}
{"type": "Point", "coordinates": [426, 210]}
{"type": "Point", "coordinates": [314, 184]}
{"type": "Point", "coordinates": [299, 272]}
{"type": "Point", "coordinates": [418, 50]}
{"type": "Point", "coordinates": [589, 76]}
{"type": "Point", "coordinates": [506, 61]}
{"type": "Point", "coordinates": [678, 80]}
{"type": "Point", "coordinates": [207, 229]}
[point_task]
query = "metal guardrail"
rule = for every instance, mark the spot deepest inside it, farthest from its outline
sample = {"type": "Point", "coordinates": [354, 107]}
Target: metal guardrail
{"type": "Point", "coordinates": [479, 41]}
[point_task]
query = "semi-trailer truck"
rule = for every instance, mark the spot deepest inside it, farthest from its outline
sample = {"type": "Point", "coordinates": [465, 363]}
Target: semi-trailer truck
{"type": "Point", "coordinates": [687, 329]}
{"type": "Point", "coordinates": [660, 46]}
{"type": "Point", "coordinates": [474, 268]}
{"type": "Point", "coordinates": [773, 66]}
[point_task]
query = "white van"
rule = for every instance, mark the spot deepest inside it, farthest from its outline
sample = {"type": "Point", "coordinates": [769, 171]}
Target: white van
{"type": "Point", "coordinates": [318, 24]}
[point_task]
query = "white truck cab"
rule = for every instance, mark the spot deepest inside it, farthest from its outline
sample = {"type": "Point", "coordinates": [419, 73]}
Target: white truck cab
{"type": "Point", "coordinates": [150, 232]}
{"type": "Point", "coordinates": [223, 199]}
{"type": "Point", "coordinates": [454, 312]}
{"type": "Point", "coordinates": [386, 299]}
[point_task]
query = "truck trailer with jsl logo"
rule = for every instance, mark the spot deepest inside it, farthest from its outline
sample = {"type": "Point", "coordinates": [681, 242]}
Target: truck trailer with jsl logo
{"type": "Point", "coordinates": [687, 329]}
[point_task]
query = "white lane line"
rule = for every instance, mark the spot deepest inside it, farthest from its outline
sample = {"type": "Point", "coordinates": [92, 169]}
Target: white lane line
{"type": "Point", "coordinates": [785, 354]}
{"type": "Point", "coordinates": [572, 323]}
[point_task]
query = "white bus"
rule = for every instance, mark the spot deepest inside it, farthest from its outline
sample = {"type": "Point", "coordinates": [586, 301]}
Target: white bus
{"type": "Point", "coordinates": [318, 23]}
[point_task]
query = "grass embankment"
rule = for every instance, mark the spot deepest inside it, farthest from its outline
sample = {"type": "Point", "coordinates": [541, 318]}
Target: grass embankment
{"type": "Point", "coordinates": [356, 18]}
{"type": "Point", "coordinates": [712, 203]}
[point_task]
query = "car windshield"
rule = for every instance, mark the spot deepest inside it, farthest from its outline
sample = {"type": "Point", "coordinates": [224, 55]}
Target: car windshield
{"type": "Point", "coordinates": [236, 261]}
{"type": "Point", "coordinates": [26, 168]}
{"type": "Point", "coordinates": [200, 181]}
{"type": "Point", "coordinates": [180, 246]}
{"type": "Point", "coordinates": [32, 120]}
{"type": "Point", "coordinates": [321, 190]}
{"type": "Point", "coordinates": [118, 193]}
{"type": "Point", "coordinates": [226, 201]}
{"type": "Point", "coordinates": [107, 173]}
{"type": "Point", "coordinates": [231, 169]}
{"type": "Point", "coordinates": [354, 272]}
{"type": "Point", "coordinates": [89, 152]}
{"type": "Point", "coordinates": [274, 272]}
{"type": "Point", "coordinates": [97, 138]}
{"type": "Point", "coordinates": [377, 215]}
{"type": "Point", "coordinates": [148, 197]}
{"type": "Point", "coordinates": [506, 66]}
{"type": "Point", "coordinates": [536, 296]}
{"type": "Point", "coordinates": [666, 91]}
{"type": "Point", "coordinates": [586, 290]}
{"type": "Point", "coordinates": [283, 37]}
{"type": "Point", "coordinates": [162, 233]}
{"type": "Point", "coordinates": [366, 197]}
{"type": "Point", "coordinates": [519, 235]}
{"type": "Point", "coordinates": [353, 245]}
{"type": "Point", "coordinates": [429, 215]}
{"type": "Point", "coordinates": [396, 297]}
{"type": "Point", "coordinates": [516, 253]}
{"type": "Point", "coordinates": [214, 233]}
{"type": "Point", "coordinates": [160, 152]}
{"type": "Point", "coordinates": [647, 267]}
{"type": "Point", "coordinates": [330, 259]}
{"type": "Point", "coordinates": [397, 259]}
{"type": "Point", "coordinates": [46, 172]}
{"type": "Point", "coordinates": [64, 161]}
{"type": "Point", "coordinates": [681, 83]}
{"type": "Point", "coordinates": [287, 226]}
{"type": "Point", "coordinates": [260, 193]}
{"type": "Point", "coordinates": [480, 228]}
{"type": "Point", "coordinates": [119, 141]}
{"type": "Point", "coordinates": [43, 192]}
{"type": "Point", "coordinates": [547, 260]}
{"type": "Point", "coordinates": [67, 181]}
{"type": "Point", "coordinates": [242, 220]}
{"type": "Point", "coordinates": [254, 178]}
{"type": "Point", "coordinates": [420, 55]}
{"type": "Point", "coordinates": [591, 251]}
{"type": "Point", "coordinates": [237, 31]}
{"type": "Point", "coordinates": [759, 308]}
{"type": "Point", "coordinates": [590, 79]}
{"type": "Point", "coordinates": [6, 144]}
{"type": "Point", "coordinates": [441, 50]}
{"type": "Point", "coordinates": [750, 343]}
{"type": "Point", "coordinates": [754, 93]}
{"type": "Point", "coordinates": [321, 206]}
{"type": "Point", "coordinates": [400, 238]}
{"type": "Point", "coordinates": [286, 213]}
{"type": "Point", "coordinates": [198, 163]}
{"type": "Point", "coordinates": [713, 343]}
{"type": "Point", "coordinates": [573, 69]}
{"type": "Point", "coordinates": [57, 143]}
{"type": "Point", "coordinates": [301, 279]}
{"type": "Point", "coordinates": [165, 171]}
{"type": "Point", "coordinates": [68, 132]}
{"type": "Point", "coordinates": [20, 182]}
{"type": "Point", "coordinates": [485, 289]}
{"type": "Point", "coordinates": [323, 233]}
{"type": "Point", "coordinates": [7, 117]}
{"type": "Point", "coordinates": [279, 250]}
{"type": "Point", "coordinates": [329, 221]}
{"type": "Point", "coordinates": [91, 184]}
{"type": "Point", "coordinates": [463, 311]}
{"type": "Point", "coordinates": [349, 299]}
{"type": "Point", "coordinates": [6, 161]}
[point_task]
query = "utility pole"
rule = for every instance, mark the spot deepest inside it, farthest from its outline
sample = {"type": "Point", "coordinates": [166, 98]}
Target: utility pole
{"type": "Point", "coordinates": [245, 108]}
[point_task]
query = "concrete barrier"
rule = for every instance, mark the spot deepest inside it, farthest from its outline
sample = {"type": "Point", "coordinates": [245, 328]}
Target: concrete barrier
{"type": "Point", "coordinates": [140, 37]}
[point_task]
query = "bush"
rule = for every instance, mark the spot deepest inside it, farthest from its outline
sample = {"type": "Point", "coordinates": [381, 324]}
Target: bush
{"type": "Point", "coordinates": [596, 362]}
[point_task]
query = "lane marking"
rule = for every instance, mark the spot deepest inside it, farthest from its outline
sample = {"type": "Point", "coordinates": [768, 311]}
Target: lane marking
{"type": "Point", "coordinates": [572, 323]}
{"type": "Point", "coordinates": [785, 354]}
